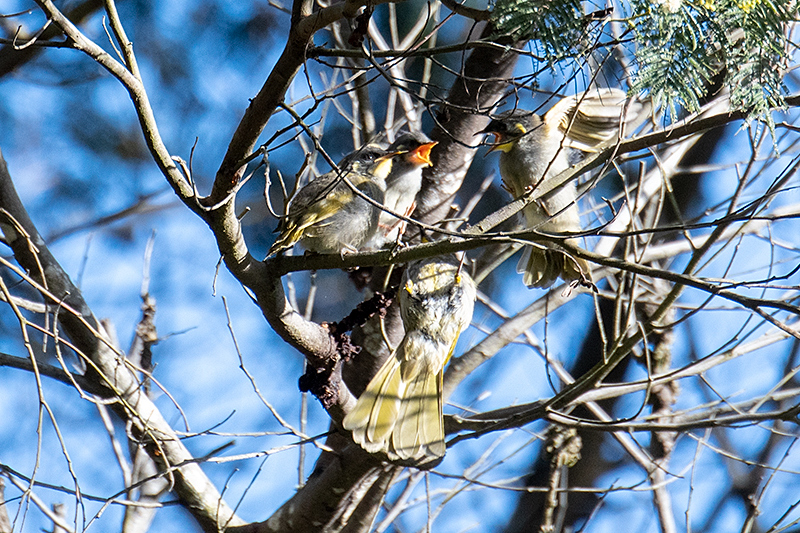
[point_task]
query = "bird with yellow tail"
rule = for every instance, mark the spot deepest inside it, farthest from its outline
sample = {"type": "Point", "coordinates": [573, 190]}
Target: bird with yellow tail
{"type": "Point", "coordinates": [400, 412]}
{"type": "Point", "coordinates": [327, 216]}
{"type": "Point", "coordinates": [402, 185]}
{"type": "Point", "coordinates": [535, 150]}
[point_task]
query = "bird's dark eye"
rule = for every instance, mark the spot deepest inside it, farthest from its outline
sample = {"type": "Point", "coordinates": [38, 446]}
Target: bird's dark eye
{"type": "Point", "coordinates": [369, 155]}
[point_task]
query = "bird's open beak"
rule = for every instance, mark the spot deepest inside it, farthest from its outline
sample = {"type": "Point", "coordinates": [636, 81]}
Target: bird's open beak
{"type": "Point", "coordinates": [421, 155]}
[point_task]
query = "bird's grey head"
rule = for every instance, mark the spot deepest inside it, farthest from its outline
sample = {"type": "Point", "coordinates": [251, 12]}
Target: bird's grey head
{"type": "Point", "coordinates": [513, 124]}
{"type": "Point", "coordinates": [364, 156]}
{"type": "Point", "coordinates": [408, 141]}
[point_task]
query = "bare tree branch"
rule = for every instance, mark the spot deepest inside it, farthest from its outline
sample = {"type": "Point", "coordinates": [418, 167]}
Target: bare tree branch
{"type": "Point", "coordinates": [108, 370]}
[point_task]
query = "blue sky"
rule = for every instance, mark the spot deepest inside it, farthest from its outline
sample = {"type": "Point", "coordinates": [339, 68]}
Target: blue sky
{"type": "Point", "coordinates": [72, 144]}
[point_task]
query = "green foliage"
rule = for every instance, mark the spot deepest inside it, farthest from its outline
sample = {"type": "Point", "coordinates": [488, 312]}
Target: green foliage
{"type": "Point", "coordinates": [555, 25]}
{"type": "Point", "coordinates": [757, 63]}
{"type": "Point", "coordinates": [676, 58]}
{"type": "Point", "coordinates": [683, 48]}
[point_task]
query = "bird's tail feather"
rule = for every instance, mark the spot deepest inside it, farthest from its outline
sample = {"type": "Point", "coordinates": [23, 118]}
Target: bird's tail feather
{"type": "Point", "coordinates": [400, 417]}
{"type": "Point", "coordinates": [541, 267]}
{"type": "Point", "coordinates": [419, 432]}
{"type": "Point", "coordinates": [375, 414]}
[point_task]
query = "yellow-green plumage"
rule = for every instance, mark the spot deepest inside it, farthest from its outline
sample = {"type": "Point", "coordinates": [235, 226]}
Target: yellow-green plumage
{"type": "Point", "coordinates": [402, 186]}
{"type": "Point", "coordinates": [327, 216]}
{"type": "Point", "coordinates": [400, 412]}
{"type": "Point", "coordinates": [535, 150]}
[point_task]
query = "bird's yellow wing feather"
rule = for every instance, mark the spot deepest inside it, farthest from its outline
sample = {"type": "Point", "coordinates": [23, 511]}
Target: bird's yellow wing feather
{"type": "Point", "coordinates": [315, 203]}
{"type": "Point", "coordinates": [375, 413]}
{"type": "Point", "coordinates": [383, 416]}
{"type": "Point", "coordinates": [594, 117]}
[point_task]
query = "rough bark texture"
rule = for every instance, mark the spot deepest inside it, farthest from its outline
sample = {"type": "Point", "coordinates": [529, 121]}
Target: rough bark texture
{"type": "Point", "coordinates": [483, 81]}
{"type": "Point", "coordinates": [478, 90]}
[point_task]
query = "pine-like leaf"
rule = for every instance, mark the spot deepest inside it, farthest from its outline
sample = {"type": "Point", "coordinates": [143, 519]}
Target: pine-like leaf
{"type": "Point", "coordinates": [557, 26]}
{"type": "Point", "coordinates": [683, 46]}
